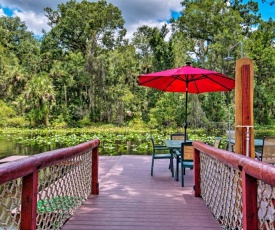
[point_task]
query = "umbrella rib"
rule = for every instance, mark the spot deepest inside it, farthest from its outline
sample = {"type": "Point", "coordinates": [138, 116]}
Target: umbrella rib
{"type": "Point", "coordinates": [203, 76]}
{"type": "Point", "coordinates": [170, 83]}
{"type": "Point", "coordinates": [223, 85]}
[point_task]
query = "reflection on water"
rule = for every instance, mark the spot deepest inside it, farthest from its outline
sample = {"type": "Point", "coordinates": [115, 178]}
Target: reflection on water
{"type": "Point", "coordinates": [10, 148]}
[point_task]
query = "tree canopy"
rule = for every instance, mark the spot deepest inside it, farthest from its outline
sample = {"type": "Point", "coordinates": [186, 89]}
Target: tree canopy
{"type": "Point", "coordinates": [84, 70]}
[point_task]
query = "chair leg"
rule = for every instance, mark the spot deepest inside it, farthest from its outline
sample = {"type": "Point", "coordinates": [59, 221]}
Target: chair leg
{"type": "Point", "coordinates": [182, 175]}
{"type": "Point", "coordinates": [152, 166]}
{"type": "Point", "coordinates": [177, 169]}
{"type": "Point", "coordinates": [172, 165]}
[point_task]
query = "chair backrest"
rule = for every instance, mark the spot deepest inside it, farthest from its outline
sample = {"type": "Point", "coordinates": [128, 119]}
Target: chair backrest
{"type": "Point", "coordinates": [230, 134]}
{"type": "Point", "coordinates": [217, 142]}
{"type": "Point", "coordinates": [268, 153]}
{"type": "Point", "coordinates": [187, 151]}
{"type": "Point", "coordinates": [153, 142]}
{"type": "Point", "coordinates": [178, 136]}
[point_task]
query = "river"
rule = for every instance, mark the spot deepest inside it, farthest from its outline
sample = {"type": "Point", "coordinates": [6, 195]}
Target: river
{"type": "Point", "coordinates": [10, 148]}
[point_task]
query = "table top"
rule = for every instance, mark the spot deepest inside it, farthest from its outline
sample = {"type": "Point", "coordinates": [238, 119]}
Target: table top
{"type": "Point", "coordinates": [257, 142]}
{"type": "Point", "coordinates": [174, 144]}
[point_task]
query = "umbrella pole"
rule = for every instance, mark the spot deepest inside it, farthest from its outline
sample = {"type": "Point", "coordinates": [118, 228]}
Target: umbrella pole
{"type": "Point", "coordinates": [185, 122]}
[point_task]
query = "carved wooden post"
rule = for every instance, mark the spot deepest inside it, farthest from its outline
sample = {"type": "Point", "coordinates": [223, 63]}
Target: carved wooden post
{"type": "Point", "coordinates": [244, 107]}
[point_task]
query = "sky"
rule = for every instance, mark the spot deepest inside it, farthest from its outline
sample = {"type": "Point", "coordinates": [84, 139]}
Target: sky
{"type": "Point", "coordinates": [135, 12]}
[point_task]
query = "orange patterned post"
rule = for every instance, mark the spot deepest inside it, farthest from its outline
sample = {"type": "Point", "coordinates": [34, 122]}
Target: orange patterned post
{"type": "Point", "coordinates": [244, 132]}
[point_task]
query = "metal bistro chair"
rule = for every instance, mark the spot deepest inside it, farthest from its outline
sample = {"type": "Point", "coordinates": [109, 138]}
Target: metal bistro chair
{"type": "Point", "coordinates": [217, 142]}
{"type": "Point", "coordinates": [178, 136]}
{"type": "Point", "coordinates": [268, 150]}
{"type": "Point", "coordinates": [185, 160]}
{"type": "Point", "coordinates": [159, 152]}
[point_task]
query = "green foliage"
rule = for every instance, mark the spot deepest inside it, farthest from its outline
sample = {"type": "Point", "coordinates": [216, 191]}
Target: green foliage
{"type": "Point", "coordinates": [267, 130]}
{"type": "Point", "coordinates": [84, 122]}
{"type": "Point", "coordinates": [75, 24]}
{"type": "Point", "coordinates": [5, 111]}
{"type": "Point", "coordinates": [113, 140]}
{"type": "Point", "coordinates": [84, 71]}
{"type": "Point", "coordinates": [16, 122]}
{"type": "Point", "coordinates": [9, 117]}
{"type": "Point", "coordinates": [38, 99]}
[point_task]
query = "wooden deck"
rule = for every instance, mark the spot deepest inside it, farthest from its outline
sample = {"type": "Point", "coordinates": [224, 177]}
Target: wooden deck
{"type": "Point", "coordinates": [130, 199]}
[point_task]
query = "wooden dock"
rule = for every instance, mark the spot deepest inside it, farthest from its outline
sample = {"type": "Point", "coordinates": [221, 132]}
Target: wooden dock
{"type": "Point", "coordinates": [130, 199]}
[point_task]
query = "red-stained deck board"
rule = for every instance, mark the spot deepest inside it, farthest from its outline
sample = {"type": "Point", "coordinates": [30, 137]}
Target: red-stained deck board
{"type": "Point", "coordinates": [130, 199]}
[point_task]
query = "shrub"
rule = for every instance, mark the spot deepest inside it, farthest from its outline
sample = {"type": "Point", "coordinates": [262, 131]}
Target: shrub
{"type": "Point", "coordinates": [17, 122]}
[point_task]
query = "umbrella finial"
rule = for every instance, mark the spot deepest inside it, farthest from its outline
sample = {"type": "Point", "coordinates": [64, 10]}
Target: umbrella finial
{"type": "Point", "coordinates": [188, 63]}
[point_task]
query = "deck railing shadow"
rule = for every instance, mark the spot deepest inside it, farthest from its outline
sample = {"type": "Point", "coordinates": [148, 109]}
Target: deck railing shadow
{"type": "Point", "coordinates": [42, 191]}
{"type": "Point", "coordinates": [238, 190]}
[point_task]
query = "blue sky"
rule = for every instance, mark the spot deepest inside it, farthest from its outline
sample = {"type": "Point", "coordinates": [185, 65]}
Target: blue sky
{"type": "Point", "coordinates": [266, 10]}
{"type": "Point", "coordinates": [135, 12]}
{"type": "Point", "coordinates": [8, 11]}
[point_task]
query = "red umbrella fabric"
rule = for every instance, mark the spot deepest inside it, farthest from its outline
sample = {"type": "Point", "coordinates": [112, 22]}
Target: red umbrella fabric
{"type": "Point", "coordinates": [187, 79]}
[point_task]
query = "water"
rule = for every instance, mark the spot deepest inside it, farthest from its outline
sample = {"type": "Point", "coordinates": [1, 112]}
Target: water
{"type": "Point", "coordinates": [11, 148]}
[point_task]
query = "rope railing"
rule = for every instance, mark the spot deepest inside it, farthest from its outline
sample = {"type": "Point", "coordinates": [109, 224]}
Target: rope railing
{"type": "Point", "coordinates": [240, 191]}
{"type": "Point", "coordinates": [44, 190]}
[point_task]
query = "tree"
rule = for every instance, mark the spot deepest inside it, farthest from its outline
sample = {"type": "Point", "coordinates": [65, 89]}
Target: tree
{"type": "Point", "coordinates": [75, 24]}
{"type": "Point", "coordinates": [262, 51]}
{"type": "Point", "coordinates": [77, 49]}
{"type": "Point", "coordinates": [16, 38]}
{"type": "Point", "coordinates": [209, 28]}
{"type": "Point", "coordinates": [38, 99]}
{"type": "Point", "coordinates": [19, 56]}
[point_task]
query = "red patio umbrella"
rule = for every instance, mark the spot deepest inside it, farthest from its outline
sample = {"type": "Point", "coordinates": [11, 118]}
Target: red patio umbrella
{"type": "Point", "coordinates": [187, 79]}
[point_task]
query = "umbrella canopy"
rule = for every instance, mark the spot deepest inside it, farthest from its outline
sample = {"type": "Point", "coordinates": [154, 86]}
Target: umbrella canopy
{"type": "Point", "coordinates": [187, 79]}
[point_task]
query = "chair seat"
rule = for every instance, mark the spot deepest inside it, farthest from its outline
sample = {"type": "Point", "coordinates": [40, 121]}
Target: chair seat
{"type": "Point", "coordinates": [162, 156]}
{"type": "Point", "coordinates": [160, 147]}
{"type": "Point", "coordinates": [187, 164]}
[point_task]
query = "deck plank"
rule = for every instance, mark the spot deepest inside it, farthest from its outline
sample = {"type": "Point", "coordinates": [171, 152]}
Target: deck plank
{"type": "Point", "coordinates": [131, 199]}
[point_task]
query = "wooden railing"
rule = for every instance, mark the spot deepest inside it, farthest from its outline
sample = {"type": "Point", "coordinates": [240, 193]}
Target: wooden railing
{"type": "Point", "coordinates": [256, 181]}
{"type": "Point", "coordinates": [27, 172]}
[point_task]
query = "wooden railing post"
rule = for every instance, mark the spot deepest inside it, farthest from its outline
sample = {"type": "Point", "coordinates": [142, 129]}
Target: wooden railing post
{"type": "Point", "coordinates": [197, 173]}
{"type": "Point", "coordinates": [29, 201]}
{"type": "Point", "coordinates": [249, 196]}
{"type": "Point", "coordinates": [95, 184]}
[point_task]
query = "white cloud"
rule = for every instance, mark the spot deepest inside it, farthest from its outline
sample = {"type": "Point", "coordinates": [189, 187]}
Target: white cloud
{"type": "Point", "coordinates": [133, 27]}
{"type": "Point", "coordinates": [1, 12]}
{"type": "Point", "coordinates": [35, 22]}
{"type": "Point", "coordinates": [145, 12]}
{"type": "Point", "coordinates": [135, 12]}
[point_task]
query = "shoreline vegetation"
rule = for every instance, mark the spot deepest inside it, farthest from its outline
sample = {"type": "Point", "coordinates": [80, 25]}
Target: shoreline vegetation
{"type": "Point", "coordinates": [113, 140]}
